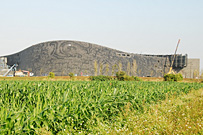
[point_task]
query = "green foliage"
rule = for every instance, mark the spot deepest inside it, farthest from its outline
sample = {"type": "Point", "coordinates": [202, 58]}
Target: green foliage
{"type": "Point", "coordinates": [128, 78]}
{"type": "Point", "coordinates": [173, 77]}
{"type": "Point", "coordinates": [169, 77]}
{"type": "Point", "coordinates": [61, 107]}
{"type": "Point", "coordinates": [71, 74]}
{"type": "Point", "coordinates": [120, 75]}
{"type": "Point", "coordinates": [132, 78]}
{"type": "Point", "coordinates": [101, 78]}
{"type": "Point", "coordinates": [137, 78]}
{"type": "Point", "coordinates": [186, 110]}
{"type": "Point", "coordinates": [95, 68]}
{"type": "Point", "coordinates": [178, 77]}
{"type": "Point", "coordinates": [51, 75]}
{"type": "Point", "coordinates": [101, 69]}
{"type": "Point", "coordinates": [107, 69]}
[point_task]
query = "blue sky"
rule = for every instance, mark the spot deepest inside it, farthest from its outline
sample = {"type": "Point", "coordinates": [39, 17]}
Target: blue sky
{"type": "Point", "coordinates": [136, 26]}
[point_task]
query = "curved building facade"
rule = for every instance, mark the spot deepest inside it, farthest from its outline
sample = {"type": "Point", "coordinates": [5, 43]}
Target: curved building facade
{"type": "Point", "coordinates": [81, 58]}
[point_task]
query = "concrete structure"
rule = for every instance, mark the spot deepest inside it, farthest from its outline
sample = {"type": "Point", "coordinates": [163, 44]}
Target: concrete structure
{"type": "Point", "coordinates": [3, 63]}
{"type": "Point", "coordinates": [4, 68]}
{"type": "Point", "coordinates": [192, 70]}
{"type": "Point", "coordinates": [63, 57]}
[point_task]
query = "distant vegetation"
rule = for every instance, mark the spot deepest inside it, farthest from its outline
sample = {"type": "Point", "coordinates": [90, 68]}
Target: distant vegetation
{"type": "Point", "coordinates": [120, 76]}
{"type": "Point", "coordinates": [173, 77]}
{"type": "Point", "coordinates": [51, 75]}
{"type": "Point", "coordinates": [101, 78]}
{"type": "Point", "coordinates": [71, 75]}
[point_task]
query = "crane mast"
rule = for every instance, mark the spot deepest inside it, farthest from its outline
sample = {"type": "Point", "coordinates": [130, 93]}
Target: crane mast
{"type": "Point", "coordinates": [171, 67]}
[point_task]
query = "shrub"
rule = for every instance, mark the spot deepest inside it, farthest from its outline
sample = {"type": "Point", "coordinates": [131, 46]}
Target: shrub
{"type": "Point", "coordinates": [51, 75]}
{"type": "Point", "coordinates": [71, 74]}
{"type": "Point", "coordinates": [128, 78]}
{"type": "Point", "coordinates": [178, 77]}
{"type": "Point", "coordinates": [132, 78]}
{"type": "Point", "coordinates": [101, 78]}
{"type": "Point", "coordinates": [173, 77]}
{"type": "Point", "coordinates": [137, 78]}
{"type": "Point", "coordinates": [120, 75]}
{"type": "Point", "coordinates": [169, 77]}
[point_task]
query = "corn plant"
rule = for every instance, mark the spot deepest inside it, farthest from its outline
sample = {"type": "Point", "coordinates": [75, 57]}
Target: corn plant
{"type": "Point", "coordinates": [28, 107]}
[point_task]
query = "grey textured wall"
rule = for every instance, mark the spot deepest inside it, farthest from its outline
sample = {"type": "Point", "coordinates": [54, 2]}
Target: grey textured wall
{"type": "Point", "coordinates": [62, 57]}
{"type": "Point", "coordinates": [192, 70]}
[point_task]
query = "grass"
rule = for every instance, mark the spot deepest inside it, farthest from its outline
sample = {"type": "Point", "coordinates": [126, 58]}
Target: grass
{"type": "Point", "coordinates": [45, 78]}
{"type": "Point", "coordinates": [182, 115]}
{"type": "Point", "coordinates": [85, 78]}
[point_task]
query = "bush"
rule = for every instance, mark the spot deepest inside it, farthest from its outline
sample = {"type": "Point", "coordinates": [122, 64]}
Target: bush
{"type": "Point", "coordinates": [101, 78]}
{"type": "Point", "coordinates": [137, 78]}
{"type": "Point", "coordinates": [120, 75]}
{"type": "Point", "coordinates": [132, 78]}
{"type": "Point", "coordinates": [51, 75]}
{"type": "Point", "coordinates": [169, 77]}
{"type": "Point", "coordinates": [173, 77]}
{"type": "Point", "coordinates": [71, 74]}
{"type": "Point", "coordinates": [178, 77]}
{"type": "Point", "coordinates": [128, 78]}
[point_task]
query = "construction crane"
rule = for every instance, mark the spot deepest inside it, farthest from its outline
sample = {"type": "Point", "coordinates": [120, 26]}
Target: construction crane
{"type": "Point", "coordinates": [13, 67]}
{"type": "Point", "coordinates": [171, 67]}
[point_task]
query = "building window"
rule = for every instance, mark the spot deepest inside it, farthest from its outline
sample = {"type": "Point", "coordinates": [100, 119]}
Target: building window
{"type": "Point", "coordinates": [123, 55]}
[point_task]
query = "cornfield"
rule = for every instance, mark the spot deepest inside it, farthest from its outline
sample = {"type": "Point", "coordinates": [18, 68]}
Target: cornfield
{"type": "Point", "coordinates": [27, 107]}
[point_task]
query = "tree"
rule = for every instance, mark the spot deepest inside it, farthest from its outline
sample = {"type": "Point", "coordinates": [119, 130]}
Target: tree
{"type": "Point", "coordinates": [101, 69]}
{"type": "Point", "coordinates": [128, 68]}
{"type": "Point", "coordinates": [51, 75]}
{"type": "Point", "coordinates": [113, 69]}
{"type": "Point", "coordinates": [107, 69]}
{"type": "Point", "coordinates": [71, 74]}
{"type": "Point", "coordinates": [134, 67]}
{"type": "Point", "coordinates": [95, 68]}
{"type": "Point", "coordinates": [120, 66]}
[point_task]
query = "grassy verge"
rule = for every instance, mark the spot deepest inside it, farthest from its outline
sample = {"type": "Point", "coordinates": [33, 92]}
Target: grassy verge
{"type": "Point", "coordinates": [181, 115]}
{"type": "Point", "coordinates": [45, 78]}
{"type": "Point", "coordinates": [85, 78]}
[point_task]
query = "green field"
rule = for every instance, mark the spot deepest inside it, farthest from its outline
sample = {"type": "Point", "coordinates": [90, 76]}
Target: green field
{"type": "Point", "coordinates": [51, 107]}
